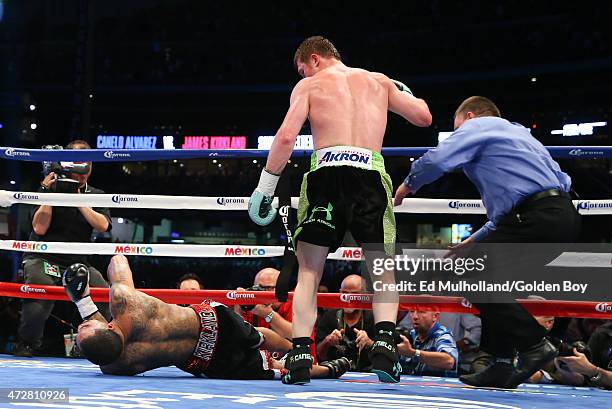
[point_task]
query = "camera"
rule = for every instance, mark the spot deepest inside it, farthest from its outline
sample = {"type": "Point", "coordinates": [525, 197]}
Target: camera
{"type": "Point", "coordinates": [400, 331]}
{"type": "Point", "coordinates": [346, 348]}
{"type": "Point", "coordinates": [63, 182]}
{"type": "Point", "coordinates": [567, 349]}
{"type": "Point", "coordinates": [256, 287]}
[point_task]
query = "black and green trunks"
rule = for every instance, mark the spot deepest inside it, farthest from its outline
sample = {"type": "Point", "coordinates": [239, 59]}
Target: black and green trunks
{"type": "Point", "coordinates": [346, 188]}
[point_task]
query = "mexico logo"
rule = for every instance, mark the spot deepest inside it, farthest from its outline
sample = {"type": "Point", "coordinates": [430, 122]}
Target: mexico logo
{"type": "Point", "coordinates": [147, 250]}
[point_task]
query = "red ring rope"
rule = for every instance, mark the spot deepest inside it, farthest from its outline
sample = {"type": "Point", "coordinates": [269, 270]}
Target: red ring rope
{"type": "Point", "coordinates": [581, 309]}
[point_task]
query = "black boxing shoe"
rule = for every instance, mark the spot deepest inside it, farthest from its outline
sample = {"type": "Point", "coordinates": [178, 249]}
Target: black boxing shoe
{"type": "Point", "coordinates": [385, 358]}
{"type": "Point", "coordinates": [498, 375]}
{"type": "Point", "coordinates": [298, 364]}
{"type": "Point", "coordinates": [337, 367]}
{"type": "Point", "coordinates": [532, 360]}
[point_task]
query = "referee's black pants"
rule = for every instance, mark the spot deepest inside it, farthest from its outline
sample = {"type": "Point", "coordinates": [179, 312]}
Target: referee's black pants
{"type": "Point", "coordinates": [506, 326]}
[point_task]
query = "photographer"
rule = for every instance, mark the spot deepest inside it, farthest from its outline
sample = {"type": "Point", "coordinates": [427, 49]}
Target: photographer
{"type": "Point", "coordinates": [66, 224]}
{"type": "Point", "coordinates": [431, 350]}
{"type": "Point", "coordinates": [596, 369]}
{"type": "Point", "coordinates": [346, 332]}
{"type": "Point", "coordinates": [581, 364]}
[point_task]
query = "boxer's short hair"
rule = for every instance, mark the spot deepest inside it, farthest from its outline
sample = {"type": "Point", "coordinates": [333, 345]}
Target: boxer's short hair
{"type": "Point", "coordinates": [480, 106]}
{"type": "Point", "coordinates": [315, 45]}
{"type": "Point", "coordinates": [103, 347]}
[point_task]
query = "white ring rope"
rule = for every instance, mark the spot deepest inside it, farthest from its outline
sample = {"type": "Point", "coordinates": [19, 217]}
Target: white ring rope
{"type": "Point", "coordinates": [163, 250]}
{"type": "Point", "coordinates": [409, 205]}
{"type": "Point", "coordinates": [565, 259]}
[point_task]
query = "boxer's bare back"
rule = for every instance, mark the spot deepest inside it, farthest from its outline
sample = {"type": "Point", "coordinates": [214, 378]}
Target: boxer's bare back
{"type": "Point", "coordinates": [345, 106]}
{"type": "Point", "coordinates": [154, 333]}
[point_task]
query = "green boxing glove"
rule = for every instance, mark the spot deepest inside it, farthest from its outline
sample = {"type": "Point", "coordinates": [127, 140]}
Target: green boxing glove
{"type": "Point", "coordinates": [402, 87]}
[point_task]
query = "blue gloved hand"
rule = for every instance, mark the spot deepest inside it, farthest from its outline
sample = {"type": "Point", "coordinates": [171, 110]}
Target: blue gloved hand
{"type": "Point", "coordinates": [260, 203]}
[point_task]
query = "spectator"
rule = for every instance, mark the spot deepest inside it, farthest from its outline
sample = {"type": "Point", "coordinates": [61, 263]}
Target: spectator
{"type": "Point", "coordinates": [190, 281]}
{"type": "Point", "coordinates": [346, 332]}
{"type": "Point", "coordinates": [67, 224]}
{"type": "Point", "coordinates": [434, 352]}
{"type": "Point", "coordinates": [466, 329]}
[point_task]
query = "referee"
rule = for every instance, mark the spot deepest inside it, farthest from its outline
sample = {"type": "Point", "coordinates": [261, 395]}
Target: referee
{"type": "Point", "coordinates": [527, 201]}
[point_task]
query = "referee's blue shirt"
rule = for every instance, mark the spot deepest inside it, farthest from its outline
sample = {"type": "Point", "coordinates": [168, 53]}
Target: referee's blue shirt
{"type": "Point", "coordinates": [505, 162]}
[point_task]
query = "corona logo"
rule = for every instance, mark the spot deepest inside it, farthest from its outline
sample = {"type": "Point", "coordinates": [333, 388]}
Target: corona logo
{"type": "Point", "coordinates": [28, 290]}
{"type": "Point", "coordinates": [25, 196]}
{"type": "Point", "coordinates": [603, 307]}
{"type": "Point", "coordinates": [230, 200]}
{"type": "Point", "coordinates": [238, 295]}
{"type": "Point", "coordinates": [348, 298]}
{"type": "Point", "coordinates": [457, 204]}
{"type": "Point", "coordinates": [113, 155]}
{"type": "Point", "coordinates": [121, 199]}
{"type": "Point", "coordinates": [12, 152]}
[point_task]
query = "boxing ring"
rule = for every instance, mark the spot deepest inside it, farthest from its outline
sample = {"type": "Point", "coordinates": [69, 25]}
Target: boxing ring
{"type": "Point", "coordinates": [172, 388]}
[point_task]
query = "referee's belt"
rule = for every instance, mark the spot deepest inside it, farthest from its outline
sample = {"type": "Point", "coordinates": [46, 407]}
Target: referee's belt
{"type": "Point", "coordinates": [543, 195]}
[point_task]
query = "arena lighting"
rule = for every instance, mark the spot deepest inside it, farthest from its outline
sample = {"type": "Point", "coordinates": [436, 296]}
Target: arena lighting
{"type": "Point", "coordinates": [303, 142]}
{"type": "Point", "coordinates": [578, 129]}
{"type": "Point", "coordinates": [33, 126]}
{"type": "Point", "coordinates": [32, 107]}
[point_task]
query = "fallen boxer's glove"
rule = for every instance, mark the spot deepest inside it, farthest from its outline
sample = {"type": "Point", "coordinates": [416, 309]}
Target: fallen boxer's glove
{"type": "Point", "coordinates": [76, 284]}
